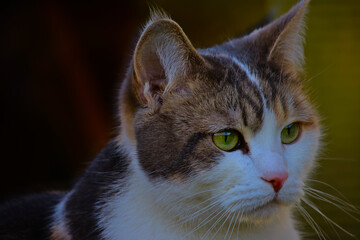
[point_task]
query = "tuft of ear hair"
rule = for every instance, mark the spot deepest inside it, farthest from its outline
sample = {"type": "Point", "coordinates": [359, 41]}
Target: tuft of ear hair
{"type": "Point", "coordinates": [163, 58]}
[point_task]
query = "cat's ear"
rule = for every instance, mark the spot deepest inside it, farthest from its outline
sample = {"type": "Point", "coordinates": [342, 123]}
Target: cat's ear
{"type": "Point", "coordinates": [163, 59]}
{"type": "Point", "coordinates": [281, 42]}
{"type": "Point", "coordinates": [288, 49]}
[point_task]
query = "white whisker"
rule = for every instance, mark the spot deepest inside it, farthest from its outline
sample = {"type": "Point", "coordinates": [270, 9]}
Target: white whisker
{"type": "Point", "coordinates": [227, 214]}
{"type": "Point", "coordinates": [235, 221]}
{"type": "Point", "coordinates": [311, 222]}
{"type": "Point", "coordinates": [201, 210]}
{"type": "Point", "coordinates": [231, 221]}
{"type": "Point", "coordinates": [206, 220]}
{"type": "Point", "coordinates": [328, 185]}
{"type": "Point", "coordinates": [239, 222]}
{"type": "Point", "coordinates": [310, 204]}
{"type": "Point", "coordinates": [339, 203]}
{"type": "Point", "coordinates": [219, 212]}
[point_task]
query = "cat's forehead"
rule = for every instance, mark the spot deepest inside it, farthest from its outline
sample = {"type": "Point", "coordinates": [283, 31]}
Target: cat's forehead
{"type": "Point", "coordinates": [233, 94]}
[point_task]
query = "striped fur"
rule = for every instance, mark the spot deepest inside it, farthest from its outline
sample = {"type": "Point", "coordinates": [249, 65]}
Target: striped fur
{"type": "Point", "coordinates": [163, 177]}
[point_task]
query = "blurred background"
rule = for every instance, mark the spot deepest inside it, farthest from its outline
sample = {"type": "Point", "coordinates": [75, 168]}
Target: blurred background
{"type": "Point", "coordinates": [61, 65]}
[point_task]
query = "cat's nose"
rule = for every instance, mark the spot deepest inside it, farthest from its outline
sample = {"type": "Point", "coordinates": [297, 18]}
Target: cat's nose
{"type": "Point", "coordinates": [276, 179]}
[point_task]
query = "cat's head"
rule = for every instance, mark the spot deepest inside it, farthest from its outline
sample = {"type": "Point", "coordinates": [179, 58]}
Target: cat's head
{"type": "Point", "coordinates": [229, 127]}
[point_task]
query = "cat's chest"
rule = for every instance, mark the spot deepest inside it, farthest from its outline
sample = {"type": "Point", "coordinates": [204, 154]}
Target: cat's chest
{"type": "Point", "coordinates": [137, 218]}
{"type": "Point", "coordinates": [160, 231]}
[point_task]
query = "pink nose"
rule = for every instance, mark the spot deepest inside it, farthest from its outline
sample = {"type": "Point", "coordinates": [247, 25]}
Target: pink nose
{"type": "Point", "coordinates": [276, 179]}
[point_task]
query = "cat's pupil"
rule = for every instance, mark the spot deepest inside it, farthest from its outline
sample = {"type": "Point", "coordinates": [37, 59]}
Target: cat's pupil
{"type": "Point", "coordinates": [226, 136]}
{"type": "Point", "coordinates": [288, 129]}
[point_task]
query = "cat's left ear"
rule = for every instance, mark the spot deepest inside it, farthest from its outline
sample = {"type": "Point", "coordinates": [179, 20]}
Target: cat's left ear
{"type": "Point", "coordinates": [163, 60]}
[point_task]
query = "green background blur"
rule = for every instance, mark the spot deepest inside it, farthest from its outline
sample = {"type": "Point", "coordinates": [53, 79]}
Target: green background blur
{"type": "Point", "coordinates": [61, 63]}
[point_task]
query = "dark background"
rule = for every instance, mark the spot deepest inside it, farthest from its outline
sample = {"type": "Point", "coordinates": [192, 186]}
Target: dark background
{"type": "Point", "coordinates": [61, 65]}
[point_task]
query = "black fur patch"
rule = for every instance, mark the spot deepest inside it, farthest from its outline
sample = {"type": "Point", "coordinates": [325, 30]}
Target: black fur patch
{"type": "Point", "coordinates": [110, 166]}
{"type": "Point", "coordinates": [28, 218]}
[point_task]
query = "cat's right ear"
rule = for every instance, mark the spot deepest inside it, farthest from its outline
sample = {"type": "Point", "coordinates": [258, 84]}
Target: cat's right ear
{"type": "Point", "coordinates": [163, 59]}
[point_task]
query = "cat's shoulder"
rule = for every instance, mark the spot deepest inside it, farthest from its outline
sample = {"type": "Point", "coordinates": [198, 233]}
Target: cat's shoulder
{"type": "Point", "coordinates": [28, 217]}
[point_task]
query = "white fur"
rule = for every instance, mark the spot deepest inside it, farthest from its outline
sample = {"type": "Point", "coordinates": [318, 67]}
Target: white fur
{"type": "Point", "coordinates": [251, 75]}
{"type": "Point", "coordinates": [167, 210]}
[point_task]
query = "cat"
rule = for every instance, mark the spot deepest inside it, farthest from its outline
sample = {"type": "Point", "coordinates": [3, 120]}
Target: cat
{"type": "Point", "coordinates": [213, 143]}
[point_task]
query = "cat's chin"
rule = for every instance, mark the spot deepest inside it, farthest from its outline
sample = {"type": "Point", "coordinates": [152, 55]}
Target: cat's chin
{"type": "Point", "coordinates": [266, 211]}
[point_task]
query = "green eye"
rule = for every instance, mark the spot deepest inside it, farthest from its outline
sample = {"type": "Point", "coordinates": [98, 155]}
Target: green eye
{"type": "Point", "coordinates": [227, 140]}
{"type": "Point", "coordinates": [290, 133]}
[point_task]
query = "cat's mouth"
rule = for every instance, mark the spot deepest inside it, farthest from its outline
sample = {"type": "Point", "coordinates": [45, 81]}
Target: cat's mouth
{"type": "Point", "coordinates": [267, 208]}
{"type": "Point", "coordinates": [266, 205]}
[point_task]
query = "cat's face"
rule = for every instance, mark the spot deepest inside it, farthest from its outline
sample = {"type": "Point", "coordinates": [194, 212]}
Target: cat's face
{"type": "Point", "coordinates": [227, 129]}
{"type": "Point", "coordinates": [176, 145]}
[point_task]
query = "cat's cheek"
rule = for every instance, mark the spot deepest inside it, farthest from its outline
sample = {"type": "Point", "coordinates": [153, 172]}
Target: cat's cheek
{"type": "Point", "coordinates": [301, 155]}
{"type": "Point", "coordinates": [233, 168]}
{"type": "Point", "coordinates": [291, 192]}
{"type": "Point", "coordinates": [235, 179]}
